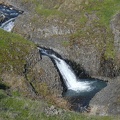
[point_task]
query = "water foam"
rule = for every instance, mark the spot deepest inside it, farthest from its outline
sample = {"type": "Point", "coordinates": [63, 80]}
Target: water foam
{"type": "Point", "coordinates": [70, 78]}
{"type": "Point", "coordinates": [8, 16]}
{"type": "Point", "coordinates": [8, 25]}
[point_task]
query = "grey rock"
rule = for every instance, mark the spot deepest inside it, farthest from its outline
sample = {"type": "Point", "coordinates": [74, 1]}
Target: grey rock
{"type": "Point", "coordinates": [52, 107]}
{"type": "Point", "coordinates": [115, 26]}
{"type": "Point", "coordinates": [41, 77]}
{"type": "Point", "coordinates": [107, 101]}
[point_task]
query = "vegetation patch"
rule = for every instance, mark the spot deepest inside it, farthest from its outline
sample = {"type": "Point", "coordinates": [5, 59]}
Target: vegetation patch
{"type": "Point", "coordinates": [94, 26]}
{"type": "Point", "coordinates": [13, 51]}
{"type": "Point", "coordinates": [47, 12]}
{"type": "Point", "coordinates": [65, 43]}
{"type": "Point", "coordinates": [105, 9]}
{"type": "Point", "coordinates": [20, 108]}
{"type": "Point", "coordinates": [16, 108]}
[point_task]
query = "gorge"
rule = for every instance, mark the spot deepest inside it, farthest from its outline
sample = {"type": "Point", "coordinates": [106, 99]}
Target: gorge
{"type": "Point", "coordinates": [84, 37]}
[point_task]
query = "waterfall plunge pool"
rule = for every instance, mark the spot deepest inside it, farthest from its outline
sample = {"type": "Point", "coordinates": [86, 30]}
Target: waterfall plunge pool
{"type": "Point", "coordinates": [78, 91]}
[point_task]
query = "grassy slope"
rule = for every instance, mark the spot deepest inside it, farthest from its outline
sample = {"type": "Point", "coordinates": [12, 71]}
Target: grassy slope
{"type": "Point", "coordinates": [19, 108]}
{"type": "Point", "coordinates": [13, 50]}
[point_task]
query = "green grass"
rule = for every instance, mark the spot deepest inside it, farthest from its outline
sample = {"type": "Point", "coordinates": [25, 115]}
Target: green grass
{"type": "Point", "coordinates": [13, 50]}
{"type": "Point", "coordinates": [19, 108]}
{"type": "Point", "coordinates": [2, 94]}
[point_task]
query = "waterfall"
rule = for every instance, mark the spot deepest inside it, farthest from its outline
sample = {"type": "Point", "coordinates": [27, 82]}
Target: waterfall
{"type": "Point", "coordinates": [70, 79]}
{"type": "Point", "coordinates": [8, 15]}
{"type": "Point", "coordinates": [79, 91]}
{"type": "Point", "coordinates": [69, 76]}
{"type": "Point", "coordinates": [8, 25]}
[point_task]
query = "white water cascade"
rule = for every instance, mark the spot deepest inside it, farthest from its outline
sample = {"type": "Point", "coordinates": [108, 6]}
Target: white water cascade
{"type": "Point", "coordinates": [79, 91]}
{"type": "Point", "coordinates": [8, 25]}
{"type": "Point", "coordinates": [8, 14]}
{"type": "Point", "coordinates": [69, 77]}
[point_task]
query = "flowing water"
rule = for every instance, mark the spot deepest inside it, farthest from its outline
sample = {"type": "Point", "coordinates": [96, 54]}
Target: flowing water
{"type": "Point", "coordinates": [8, 15]}
{"type": "Point", "coordinates": [79, 91]}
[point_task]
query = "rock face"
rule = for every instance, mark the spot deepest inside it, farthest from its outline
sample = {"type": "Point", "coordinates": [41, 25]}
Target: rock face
{"type": "Point", "coordinates": [56, 25]}
{"type": "Point", "coordinates": [115, 26]}
{"type": "Point", "coordinates": [18, 83]}
{"type": "Point", "coordinates": [85, 55]}
{"type": "Point", "coordinates": [54, 32]}
{"type": "Point", "coordinates": [45, 81]}
{"type": "Point", "coordinates": [107, 101]}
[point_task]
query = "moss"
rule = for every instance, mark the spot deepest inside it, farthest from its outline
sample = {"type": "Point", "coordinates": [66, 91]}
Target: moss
{"type": "Point", "coordinates": [13, 50]}
{"type": "Point", "coordinates": [83, 20]}
{"type": "Point", "coordinates": [41, 8]}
